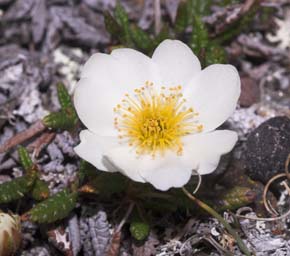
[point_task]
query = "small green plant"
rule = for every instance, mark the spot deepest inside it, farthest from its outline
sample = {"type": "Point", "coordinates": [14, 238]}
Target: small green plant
{"type": "Point", "coordinates": [54, 208]}
{"type": "Point", "coordinates": [66, 118]}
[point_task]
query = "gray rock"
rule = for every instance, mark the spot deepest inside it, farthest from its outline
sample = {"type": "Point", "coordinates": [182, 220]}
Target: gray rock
{"type": "Point", "coordinates": [267, 148]}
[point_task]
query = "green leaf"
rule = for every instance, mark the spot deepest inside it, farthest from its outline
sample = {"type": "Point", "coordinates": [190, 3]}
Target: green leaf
{"type": "Point", "coordinates": [199, 36]}
{"type": "Point", "coordinates": [24, 158]}
{"type": "Point", "coordinates": [86, 172]}
{"type": "Point", "coordinates": [141, 39]}
{"type": "Point", "coordinates": [40, 190]}
{"type": "Point", "coordinates": [163, 34]}
{"type": "Point", "coordinates": [139, 230]}
{"type": "Point", "coordinates": [112, 25]}
{"type": "Point", "coordinates": [106, 184]}
{"type": "Point", "coordinates": [63, 96]}
{"type": "Point", "coordinates": [63, 120]}
{"type": "Point", "coordinates": [66, 118]}
{"type": "Point", "coordinates": [54, 208]}
{"type": "Point", "coordinates": [123, 20]}
{"type": "Point", "coordinates": [14, 190]}
{"type": "Point", "coordinates": [233, 198]}
{"type": "Point", "coordinates": [228, 2]}
{"type": "Point", "coordinates": [182, 20]}
{"type": "Point", "coordinates": [200, 7]}
{"type": "Point", "coordinates": [19, 187]}
{"type": "Point", "coordinates": [215, 54]}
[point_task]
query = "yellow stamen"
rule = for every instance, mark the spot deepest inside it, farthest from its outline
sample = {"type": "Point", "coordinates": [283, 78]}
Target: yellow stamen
{"type": "Point", "coordinates": [153, 121]}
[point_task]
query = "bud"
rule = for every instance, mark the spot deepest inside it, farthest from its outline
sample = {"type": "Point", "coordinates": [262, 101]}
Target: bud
{"type": "Point", "coordinates": [10, 234]}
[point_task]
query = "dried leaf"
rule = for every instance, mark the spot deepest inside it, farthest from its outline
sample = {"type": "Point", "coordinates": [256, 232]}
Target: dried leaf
{"type": "Point", "coordinates": [95, 232]}
{"type": "Point", "coordinates": [115, 244]}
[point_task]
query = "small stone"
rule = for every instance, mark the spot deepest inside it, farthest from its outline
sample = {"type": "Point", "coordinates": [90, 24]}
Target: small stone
{"type": "Point", "coordinates": [267, 149]}
{"type": "Point", "coordinates": [250, 92]}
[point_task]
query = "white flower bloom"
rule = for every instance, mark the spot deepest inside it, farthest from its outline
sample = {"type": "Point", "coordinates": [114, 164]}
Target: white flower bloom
{"type": "Point", "coordinates": [154, 119]}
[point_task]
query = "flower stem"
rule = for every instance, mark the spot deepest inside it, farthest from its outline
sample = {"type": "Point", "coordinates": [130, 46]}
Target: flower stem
{"type": "Point", "coordinates": [212, 212]}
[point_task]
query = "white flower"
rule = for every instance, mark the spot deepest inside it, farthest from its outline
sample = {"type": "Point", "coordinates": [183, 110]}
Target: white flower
{"type": "Point", "coordinates": [154, 119]}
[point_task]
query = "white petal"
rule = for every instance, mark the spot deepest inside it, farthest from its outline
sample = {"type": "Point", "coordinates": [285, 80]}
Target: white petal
{"type": "Point", "coordinates": [128, 68]}
{"type": "Point", "coordinates": [92, 149]}
{"type": "Point", "coordinates": [105, 80]}
{"type": "Point", "coordinates": [214, 93]}
{"type": "Point", "coordinates": [162, 172]}
{"type": "Point", "coordinates": [176, 61]}
{"type": "Point", "coordinates": [125, 159]}
{"type": "Point", "coordinates": [170, 172]}
{"type": "Point", "coordinates": [96, 64]}
{"type": "Point", "coordinates": [203, 151]}
{"type": "Point", "coordinates": [135, 68]}
{"type": "Point", "coordinates": [94, 101]}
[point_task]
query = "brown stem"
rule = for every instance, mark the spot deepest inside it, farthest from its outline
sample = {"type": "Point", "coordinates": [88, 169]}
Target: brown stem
{"type": "Point", "coordinates": [23, 136]}
{"type": "Point", "coordinates": [157, 17]}
{"type": "Point", "coordinates": [123, 221]}
{"type": "Point", "coordinates": [40, 143]}
{"type": "Point", "coordinates": [213, 213]}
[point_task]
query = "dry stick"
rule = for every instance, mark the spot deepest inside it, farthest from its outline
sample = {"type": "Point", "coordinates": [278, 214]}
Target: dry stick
{"type": "Point", "coordinates": [123, 221]}
{"type": "Point", "coordinates": [286, 167]}
{"type": "Point", "coordinates": [23, 136]}
{"type": "Point", "coordinates": [38, 145]}
{"type": "Point", "coordinates": [267, 204]}
{"type": "Point", "coordinates": [212, 212]}
{"type": "Point", "coordinates": [266, 189]}
{"type": "Point", "coordinates": [218, 247]}
{"type": "Point", "coordinates": [115, 241]}
{"type": "Point", "coordinates": [283, 216]}
{"type": "Point", "coordinates": [247, 6]}
{"type": "Point", "coordinates": [280, 175]}
{"type": "Point", "coordinates": [157, 17]}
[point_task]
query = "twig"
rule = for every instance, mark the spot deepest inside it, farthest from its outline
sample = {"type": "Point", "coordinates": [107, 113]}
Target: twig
{"type": "Point", "coordinates": [217, 246]}
{"type": "Point", "coordinates": [114, 247]}
{"type": "Point", "coordinates": [38, 145]}
{"type": "Point", "coordinates": [247, 6]}
{"type": "Point", "coordinates": [232, 16]}
{"type": "Point", "coordinates": [212, 212]}
{"type": "Point", "coordinates": [278, 176]}
{"type": "Point", "coordinates": [186, 228]}
{"type": "Point", "coordinates": [283, 216]}
{"type": "Point", "coordinates": [244, 209]}
{"type": "Point", "coordinates": [123, 221]}
{"type": "Point", "coordinates": [266, 189]}
{"type": "Point", "coordinates": [157, 17]}
{"type": "Point", "coordinates": [286, 167]}
{"type": "Point", "coordinates": [23, 136]}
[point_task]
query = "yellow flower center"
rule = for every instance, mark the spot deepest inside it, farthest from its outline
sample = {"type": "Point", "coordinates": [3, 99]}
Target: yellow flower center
{"type": "Point", "coordinates": [154, 121]}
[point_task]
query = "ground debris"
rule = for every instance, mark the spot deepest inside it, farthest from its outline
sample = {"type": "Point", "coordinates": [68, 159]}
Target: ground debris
{"type": "Point", "coordinates": [95, 233]}
{"type": "Point", "coordinates": [46, 41]}
{"type": "Point", "coordinates": [148, 248]}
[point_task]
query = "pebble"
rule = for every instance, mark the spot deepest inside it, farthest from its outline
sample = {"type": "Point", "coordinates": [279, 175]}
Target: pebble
{"type": "Point", "coordinates": [267, 148]}
{"type": "Point", "coordinates": [250, 92]}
